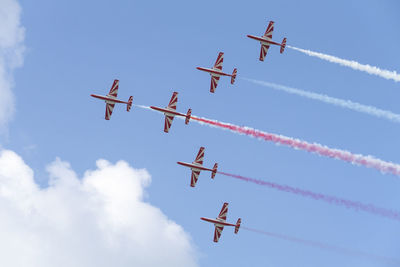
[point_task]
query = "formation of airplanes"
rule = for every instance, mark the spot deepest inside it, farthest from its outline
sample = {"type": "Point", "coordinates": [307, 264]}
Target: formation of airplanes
{"type": "Point", "coordinates": [170, 112]}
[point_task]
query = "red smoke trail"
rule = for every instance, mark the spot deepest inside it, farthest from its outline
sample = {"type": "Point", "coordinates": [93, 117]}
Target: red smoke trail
{"type": "Point", "coordinates": [325, 246]}
{"type": "Point", "coordinates": [317, 196]}
{"type": "Point", "coordinates": [367, 161]}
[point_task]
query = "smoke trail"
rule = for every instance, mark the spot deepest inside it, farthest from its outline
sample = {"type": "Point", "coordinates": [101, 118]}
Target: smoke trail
{"type": "Point", "coordinates": [317, 196]}
{"type": "Point", "coordinates": [326, 246]}
{"type": "Point", "coordinates": [141, 106]}
{"type": "Point", "coordinates": [387, 74]}
{"type": "Point", "coordinates": [358, 159]}
{"type": "Point", "coordinates": [331, 100]}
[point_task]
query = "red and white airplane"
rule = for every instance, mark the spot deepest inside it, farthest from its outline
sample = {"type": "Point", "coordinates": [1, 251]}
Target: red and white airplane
{"type": "Point", "coordinates": [111, 99]}
{"type": "Point", "coordinates": [220, 222]}
{"type": "Point", "coordinates": [216, 72]}
{"type": "Point", "coordinates": [197, 166]}
{"type": "Point", "coordinates": [170, 112]}
{"type": "Point", "coordinates": [266, 41]}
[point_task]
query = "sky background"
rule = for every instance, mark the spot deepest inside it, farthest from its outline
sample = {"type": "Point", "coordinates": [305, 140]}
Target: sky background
{"type": "Point", "coordinates": [76, 48]}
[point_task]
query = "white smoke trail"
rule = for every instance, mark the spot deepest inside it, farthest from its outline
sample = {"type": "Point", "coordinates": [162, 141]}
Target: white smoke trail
{"type": "Point", "coordinates": [381, 113]}
{"type": "Point", "coordinates": [387, 74]}
{"type": "Point", "coordinates": [141, 106]}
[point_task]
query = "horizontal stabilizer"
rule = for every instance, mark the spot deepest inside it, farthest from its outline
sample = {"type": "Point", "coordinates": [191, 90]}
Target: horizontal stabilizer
{"type": "Point", "coordinates": [234, 73]}
{"type": "Point", "coordinates": [283, 45]}
{"type": "Point", "coordinates": [214, 171]}
{"type": "Point", "coordinates": [188, 115]}
{"type": "Point", "coordinates": [129, 105]}
{"type": "Point", "coordinates": [239, 221]}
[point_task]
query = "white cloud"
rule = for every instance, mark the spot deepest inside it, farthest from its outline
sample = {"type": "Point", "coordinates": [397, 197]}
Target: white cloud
{"type": "Point", "coordinates": [12, 36]}
{"type": "Point", "coordinates": [99, 220]}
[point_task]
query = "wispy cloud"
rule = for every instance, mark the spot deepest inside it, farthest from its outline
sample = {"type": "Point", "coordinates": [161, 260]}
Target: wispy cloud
{"type": "Point", "coordinates": [370, 110]}
{"type": "Point", "coordinates": [12, 36]}
{"type": "Point", "coordinates": [387, 74]}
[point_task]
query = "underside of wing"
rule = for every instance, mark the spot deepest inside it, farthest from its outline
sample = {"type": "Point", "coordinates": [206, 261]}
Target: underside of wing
{"type": "Point", "coordinates": [109, 110]}
{"type": "Point", "coordinates": [219, 61]}
{"type": "Point", "coordinates": [194, 178]}
{"type": "Point", "coordinates": [218, 232]}
{"type": "Point", "coordinates": [173, 101]}
{"type": "Point", "coordinates": [263, 52]}
{"type": "Point", "coordinates": [200, 156]}
{"type": "Point", "coordinates": [214, 83]}
{"type": "Point", "coordinates": [167, 123]}
{"type": "Point", "coordinates": [114, 89]}
{"type": "Point", "coordinates": [269, 30]}
{"type": "Point", "coordinates": [223, 212]}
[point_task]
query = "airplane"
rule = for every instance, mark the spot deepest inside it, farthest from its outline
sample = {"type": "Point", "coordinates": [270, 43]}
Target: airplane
{"type": "Point", "coordinates": [111, 99]}
{"type": "Point", "coordinates": [266, 41]}
{"type": "Point", "coordinates": [170, 112]}
{"type": "Point", "coordinates": [220, 222]}
{"type": "Point", "coordinates": [197, 165]}
{"type": "Point", "coordinates": [216, 72]}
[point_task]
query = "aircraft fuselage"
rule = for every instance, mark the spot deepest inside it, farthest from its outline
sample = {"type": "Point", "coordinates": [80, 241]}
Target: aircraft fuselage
{"type": "Point", "coordinates": [217, 222]}
{"type": "Point", "coordinates": [108, 99]}
{"type": "Point", "coordinates": [168, 112]}
{"type": "Point", "coordinates": [194, 166]}
{"type": "Point", "coordinates": [214, 72]}
{"type": "Point", "coordinates": [263, 40]}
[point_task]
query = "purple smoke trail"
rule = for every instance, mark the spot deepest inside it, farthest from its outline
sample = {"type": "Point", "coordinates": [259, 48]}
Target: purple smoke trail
{"type": "Point", "coordinates": [326, 246]}
{"type": "Point", "coordinates": [394, 215]}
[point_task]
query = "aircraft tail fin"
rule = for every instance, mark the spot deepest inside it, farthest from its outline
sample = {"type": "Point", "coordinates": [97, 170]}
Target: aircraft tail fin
{"type": "Point", "coordinates": [239, 221]}
{"type": "Point", "coordinates": [283, 45]}
{"type": "Point", "coordinates": [234, 73]}
{"type": "Point", "coordinates": [188, 115]}
{"type": "Point", "coordinates": [214, 171]}
{"type": "Point", "coordinates": [129, 105]}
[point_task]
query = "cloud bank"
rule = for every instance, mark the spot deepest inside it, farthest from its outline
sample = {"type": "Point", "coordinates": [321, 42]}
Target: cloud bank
{"type": "Point", "coordinates": [99, 220]}
{"type": "Point", "coordinates": [12, 36]}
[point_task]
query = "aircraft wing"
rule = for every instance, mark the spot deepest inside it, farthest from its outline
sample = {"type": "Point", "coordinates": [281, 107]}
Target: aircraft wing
{"type": "Point", "coordinates": [269, 30]}
{"type": "Point", "coordinates": [109, 110]}
{"type": "Point", "coordinates": [223, 212]}
{"type": "Point", "coordinates": [114, 89]}
{"type": "Point", "coordinates": [218, 232]}
{"type": "Point", "coordinates": [219, 61]}
{"type": "Point", "coordinates": [214, 83]}
{"type": "Point", "coordinates": [263, 52]}
{"type": "Point", "coordinates": [200, 156]}
{"type": "Point", "coordinates": [168, 122]}
{"type": "Point", "coordinates": [194, 178]}
{"type": "Point", "coordinates": [173, 101]}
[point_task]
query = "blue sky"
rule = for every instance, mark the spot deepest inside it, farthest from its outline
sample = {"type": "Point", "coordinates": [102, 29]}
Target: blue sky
{"type": "Point", "coordinates": [75, 48]}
